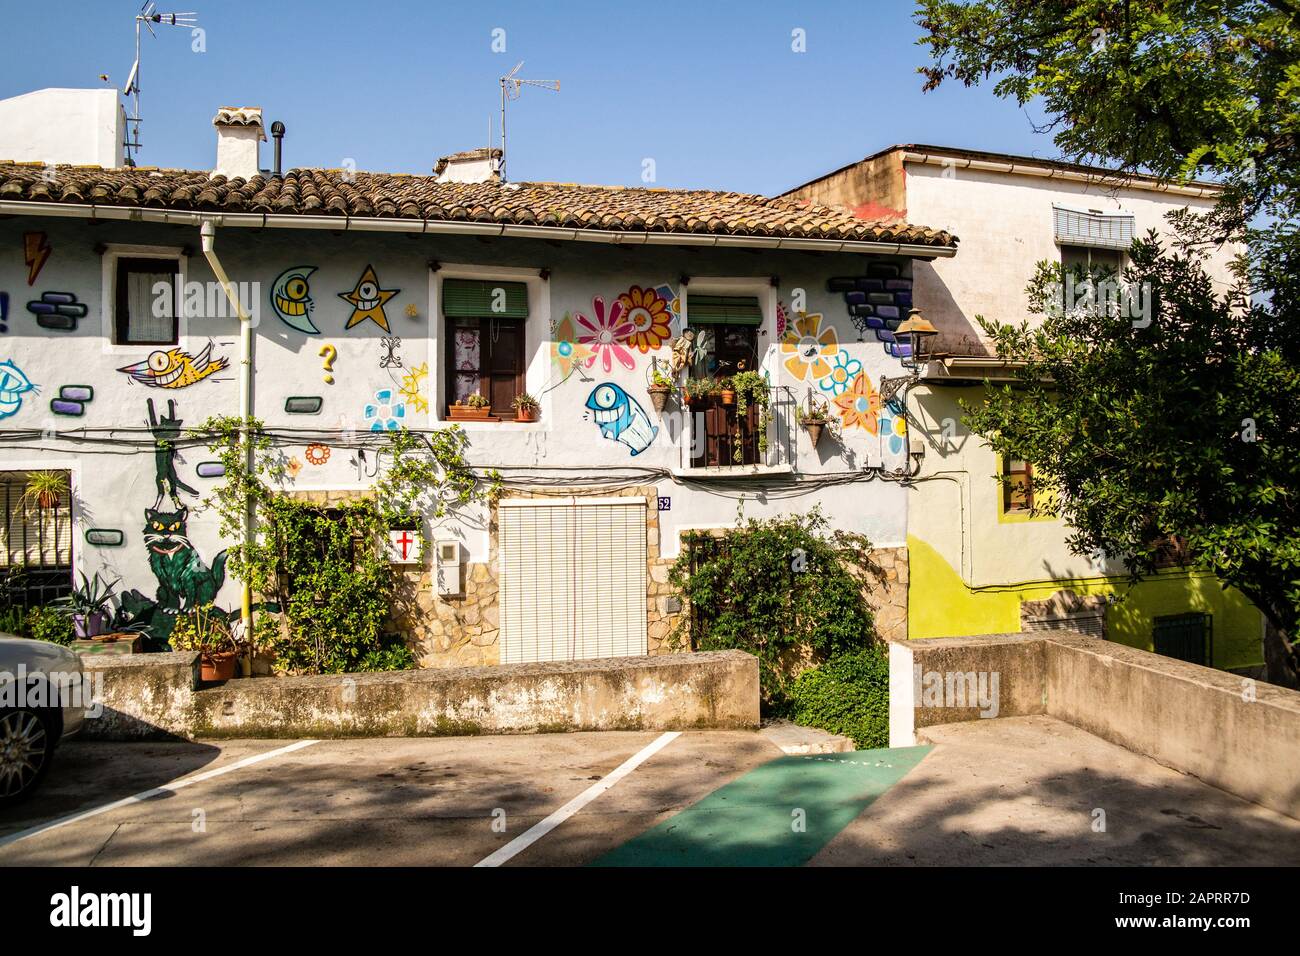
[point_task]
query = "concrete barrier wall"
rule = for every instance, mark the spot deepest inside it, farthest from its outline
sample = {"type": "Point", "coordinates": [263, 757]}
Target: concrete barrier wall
{"type": "Point", "coordinates": [144, 696]}
{"type": "Point", "coordinates": [153, 696]}
{"type": "Point", "coordinates": [1239, 735]}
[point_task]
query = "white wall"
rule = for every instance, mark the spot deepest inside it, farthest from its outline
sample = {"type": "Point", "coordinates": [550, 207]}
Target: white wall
{"type": "Point", "coordinates": [114, 485]}
{"type": "Point", "coordinates": [1004, 224]}
{"type": "Point", "coordinates": [81, 127]}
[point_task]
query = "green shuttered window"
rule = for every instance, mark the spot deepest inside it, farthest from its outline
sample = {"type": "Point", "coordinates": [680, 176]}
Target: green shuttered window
{"type": "Point", "coordinates": [724, 309]}
{"type": "Point", "coordinates": [476, 298]}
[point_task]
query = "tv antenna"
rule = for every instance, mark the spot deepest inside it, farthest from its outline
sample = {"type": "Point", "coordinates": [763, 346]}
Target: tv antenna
{"type": "Point", "coordinates": [147, 17]}
{"type": "Point", "coordinates": [511, 88]}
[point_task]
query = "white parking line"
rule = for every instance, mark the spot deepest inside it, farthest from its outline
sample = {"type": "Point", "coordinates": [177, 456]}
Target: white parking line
{"type": "Point", "coordinates": [543, 827]}
{"type": "Point", "coordinates": [156, 791]}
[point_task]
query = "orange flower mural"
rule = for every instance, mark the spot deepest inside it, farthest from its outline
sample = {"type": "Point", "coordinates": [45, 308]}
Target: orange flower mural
{"type": "Point", "coordinates": [566, 351]}
{"type": "Point", "coordinates": [807, 347]}
{"type": "Point", "coordinates": [859, 405]}
{"type": "Point", "coordinates": [651, 315]}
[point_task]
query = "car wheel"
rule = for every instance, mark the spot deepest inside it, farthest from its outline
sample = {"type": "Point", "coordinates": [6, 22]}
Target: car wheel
{"type": "Point", "coordinates": [26, 745]}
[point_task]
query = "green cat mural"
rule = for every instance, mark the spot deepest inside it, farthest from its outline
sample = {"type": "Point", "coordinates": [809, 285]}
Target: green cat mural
{"type": "Point", "coordinates": [184, 581]}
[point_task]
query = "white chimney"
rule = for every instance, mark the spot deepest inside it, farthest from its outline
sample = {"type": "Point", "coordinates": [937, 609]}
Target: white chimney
{"type": "Point", "coordinates": [472, 166]}
{"type": "Point", "coordinates": [239, 136]}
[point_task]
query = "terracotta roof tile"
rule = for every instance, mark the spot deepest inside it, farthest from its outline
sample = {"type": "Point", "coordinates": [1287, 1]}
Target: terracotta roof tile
{"type": "Point", "coordinates": [337, 192]}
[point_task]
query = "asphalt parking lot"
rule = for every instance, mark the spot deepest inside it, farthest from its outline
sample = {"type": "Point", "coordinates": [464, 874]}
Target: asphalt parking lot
{"type": "Point", "coordinates": [1011, 791]}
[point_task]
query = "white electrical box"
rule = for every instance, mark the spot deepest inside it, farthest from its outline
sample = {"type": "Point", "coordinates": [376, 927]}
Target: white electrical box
{"type": "Point", "coordinates": [446, 569]}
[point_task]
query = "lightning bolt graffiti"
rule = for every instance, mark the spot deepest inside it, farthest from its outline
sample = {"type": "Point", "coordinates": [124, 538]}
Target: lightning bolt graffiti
{"type": "Point", "coordinates": [36, 249]}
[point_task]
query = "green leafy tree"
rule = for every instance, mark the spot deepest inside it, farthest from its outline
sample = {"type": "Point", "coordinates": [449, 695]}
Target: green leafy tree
{"type": "Point", "coordinates": [1186, 427]}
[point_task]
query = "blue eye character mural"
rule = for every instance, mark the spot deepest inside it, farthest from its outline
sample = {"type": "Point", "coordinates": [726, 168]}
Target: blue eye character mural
{"type": "Point", "coordinates": [621, 418]}
{"type": "Point", "coordinates": [291, 299]}
{"type": "Point", "coordinates": [13, 386]}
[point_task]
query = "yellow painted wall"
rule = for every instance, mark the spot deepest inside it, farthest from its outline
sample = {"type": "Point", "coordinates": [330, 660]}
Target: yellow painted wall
{"type": "Point", "coordinates": [941, 605]}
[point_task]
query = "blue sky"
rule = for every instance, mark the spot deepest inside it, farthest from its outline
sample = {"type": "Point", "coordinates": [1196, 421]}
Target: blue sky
{"type": "Point", "coordinates": [711, 91]}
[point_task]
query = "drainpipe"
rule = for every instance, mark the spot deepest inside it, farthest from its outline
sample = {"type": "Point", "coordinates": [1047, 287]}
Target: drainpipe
{"type": "Point", "coordinates": [208, 231]}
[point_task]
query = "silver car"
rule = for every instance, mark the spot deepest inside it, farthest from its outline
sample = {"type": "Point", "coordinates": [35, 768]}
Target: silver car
{"type": "Point", "coordinates": [42, 700]}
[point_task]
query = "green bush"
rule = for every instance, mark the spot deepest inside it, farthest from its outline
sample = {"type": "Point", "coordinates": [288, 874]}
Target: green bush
{"type": "Point", "coordinates": [780, 589]}
{"type": "Point", "coordinates": [849, 695]}
{"type": "Point", "coordinates": [44, 624]}
{"type": "Point", "coordinates": [393, 656]}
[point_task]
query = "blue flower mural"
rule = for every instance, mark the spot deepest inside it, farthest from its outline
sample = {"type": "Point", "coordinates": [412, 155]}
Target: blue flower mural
{"type": "Point", "coordinates": [843, 371]}
{"type": "Point", "coordinates": [385, 414]}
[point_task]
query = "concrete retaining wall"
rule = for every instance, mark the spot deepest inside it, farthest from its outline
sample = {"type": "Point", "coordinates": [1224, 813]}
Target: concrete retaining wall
{"type": "Point", "coordinates": [151, 696]}
{"type": "Point", "coordinates": [144, 696]}
{"type": "Point", "coordinates": [1239, 735]}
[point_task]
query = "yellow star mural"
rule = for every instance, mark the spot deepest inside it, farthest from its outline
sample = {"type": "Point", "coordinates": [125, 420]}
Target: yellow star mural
{"type": "Point", "coordinates": [368, 300]}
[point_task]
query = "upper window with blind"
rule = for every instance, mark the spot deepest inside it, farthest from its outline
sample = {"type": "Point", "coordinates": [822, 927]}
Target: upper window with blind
{"type": "Point", "coordinates": [486, 322]}
{"type": "Point", "coordinates": [145, 301]}
{"type": "Point", "coordinates": [1092, 228]}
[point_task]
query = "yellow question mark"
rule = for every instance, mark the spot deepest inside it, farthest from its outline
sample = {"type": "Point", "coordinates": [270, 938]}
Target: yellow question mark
{"type": "Point", "coordinates": [329, 353]}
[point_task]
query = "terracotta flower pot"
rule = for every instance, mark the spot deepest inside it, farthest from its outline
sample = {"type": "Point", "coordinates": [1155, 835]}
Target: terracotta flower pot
{"type": "Point", "coordinates": [465, 413]}
{"type": "Point", "coordinates": [47, 499]}
{"type": "Point", "coordinates": [220, 666]}
{"type": "Point", "coordinates": [814, 431]}
{"type": "Point", "coordinates": [659, 397]}
{"type": "Point", "coordinates": [728, 397]}
{"type": "Point", "coordinates": [526, 414]}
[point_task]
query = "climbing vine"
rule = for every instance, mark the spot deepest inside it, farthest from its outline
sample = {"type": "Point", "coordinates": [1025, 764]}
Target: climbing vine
{"type": "Point", "coordinates": [325, 569]}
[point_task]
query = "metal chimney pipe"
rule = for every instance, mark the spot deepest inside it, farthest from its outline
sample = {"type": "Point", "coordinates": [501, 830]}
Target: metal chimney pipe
{"type": "Point", "coordinates": [277, 132]}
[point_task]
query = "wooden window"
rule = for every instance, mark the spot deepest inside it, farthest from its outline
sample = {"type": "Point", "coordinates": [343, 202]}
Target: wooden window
{"type": "Point", "coordinates": [486, 323]}
{"type": "Point", "coordinates": [146, 302]}
{"type": "Point", "coordinates": [1017, 486]}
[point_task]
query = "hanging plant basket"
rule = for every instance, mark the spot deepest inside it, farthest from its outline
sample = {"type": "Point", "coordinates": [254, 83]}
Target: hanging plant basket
{"type": "Point", "coordinates": [814, 429]}
{"type": "Point", "coordinates": [659, 397]}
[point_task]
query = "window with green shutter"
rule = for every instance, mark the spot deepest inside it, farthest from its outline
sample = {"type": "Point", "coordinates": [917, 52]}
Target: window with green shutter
{"type": "Point", "coordinates": [476, 298]}
{"type": "Point", "coordinates": [484, 326]}
{"type": "Point", "coordinates": [724, 310]}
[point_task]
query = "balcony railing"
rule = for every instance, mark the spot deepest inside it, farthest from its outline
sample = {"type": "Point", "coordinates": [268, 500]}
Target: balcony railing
{"type": "Point", "coordinates": [722, 437]}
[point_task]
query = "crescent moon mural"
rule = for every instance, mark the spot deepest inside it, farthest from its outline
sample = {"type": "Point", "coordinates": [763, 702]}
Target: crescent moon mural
{"type": "Point", "coordinates": [291, 299]}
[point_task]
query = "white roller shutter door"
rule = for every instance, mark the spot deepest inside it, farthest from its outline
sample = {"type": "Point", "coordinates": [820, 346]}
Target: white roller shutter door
{"type": "Point", "coordinates": [572, 578]}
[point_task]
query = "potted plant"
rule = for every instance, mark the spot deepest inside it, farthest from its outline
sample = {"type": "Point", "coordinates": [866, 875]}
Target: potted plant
{"type": "Point", "coordinates": [526, 408]}
{"type": "Point", "coordinates": [45, 488]}
{"type": "Point", "coordinates": [813, 419]}
{"type": "Point", "coordinates": [473, 408]}
{"type": "Point", "coordinates": [88, 606]}
{"type": "Point", "coordinates": [206, 629]}
{"type": "Point", "coordinates": [727, 391]}
{"type": "Point", "coordinates": [698, 390]}
{"type": "Point", "coordinates": [661, 386]}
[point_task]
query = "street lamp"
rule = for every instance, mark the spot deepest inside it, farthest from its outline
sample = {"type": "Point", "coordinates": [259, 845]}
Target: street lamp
{"type": "Point", "coordinates": [914, 334]}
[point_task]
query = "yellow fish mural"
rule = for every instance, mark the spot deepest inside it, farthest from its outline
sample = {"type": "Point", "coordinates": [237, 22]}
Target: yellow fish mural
{"type": "Point", "coordinates": [175, 368]}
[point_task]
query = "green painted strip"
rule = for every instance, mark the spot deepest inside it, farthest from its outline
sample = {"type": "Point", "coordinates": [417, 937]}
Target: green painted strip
{"type": "Point", "coordinates": [750, 821]}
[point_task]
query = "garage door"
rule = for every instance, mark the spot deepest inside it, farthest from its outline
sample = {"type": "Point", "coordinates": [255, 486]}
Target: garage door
{"type": "Point", "coordinates": [573, 578]}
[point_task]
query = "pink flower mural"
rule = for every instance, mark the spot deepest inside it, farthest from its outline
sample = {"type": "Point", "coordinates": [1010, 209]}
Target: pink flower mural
{"type": "Point", "coordinates": [606, 335]}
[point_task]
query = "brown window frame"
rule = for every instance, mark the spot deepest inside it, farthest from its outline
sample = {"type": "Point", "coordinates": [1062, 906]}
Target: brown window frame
{"type": "Point", "coordinates": [1007, 474]}
{"type": "Point", "coordinates": [485, 343]}
{"type": "Point", "coordinates": [126, 265]}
